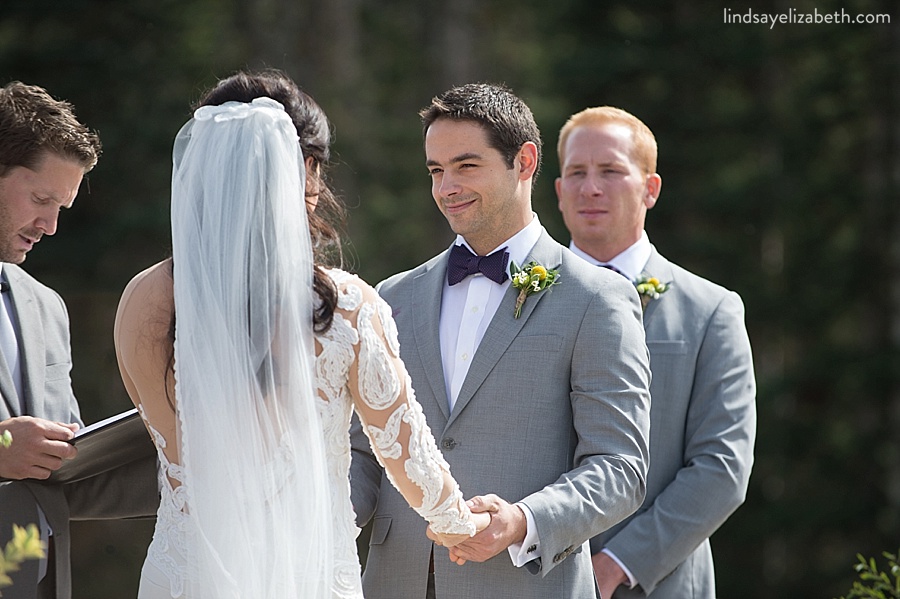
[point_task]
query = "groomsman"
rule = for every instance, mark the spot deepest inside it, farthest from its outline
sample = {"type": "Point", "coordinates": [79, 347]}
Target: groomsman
{"type": "Point", "coordinates": [703, 420]}
{"type": "Point", "coordinates": [547, 409]}
{"type": "Point", "coordinates": [44, 153]}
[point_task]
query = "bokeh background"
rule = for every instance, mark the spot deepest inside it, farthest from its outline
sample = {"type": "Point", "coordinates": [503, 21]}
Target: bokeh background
{"type": "Point", "coordinates": [779, 150]}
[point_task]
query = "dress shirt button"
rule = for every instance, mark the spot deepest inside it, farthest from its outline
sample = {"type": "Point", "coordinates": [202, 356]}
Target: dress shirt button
{"type": "Point", "coordinates": [474, 309]}
{"type": "Point", "coordinates": [448, 444]}
{"type": "Point", "coordinates": [464, 357]}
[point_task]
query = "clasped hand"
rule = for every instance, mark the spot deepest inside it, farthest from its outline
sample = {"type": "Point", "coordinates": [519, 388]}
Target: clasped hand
{"type": "Point", "coordinates": [504, 525]}
{"type": "Point", "coordinates": [38, 448]}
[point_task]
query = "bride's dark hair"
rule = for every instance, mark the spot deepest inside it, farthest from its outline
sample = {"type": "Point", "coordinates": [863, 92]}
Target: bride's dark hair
{"type": "Point", "coordinates": [314, 132]}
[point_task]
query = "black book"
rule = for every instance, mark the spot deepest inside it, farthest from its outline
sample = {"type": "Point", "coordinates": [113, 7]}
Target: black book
{"type": "Point", "coordinates": [104, 445]}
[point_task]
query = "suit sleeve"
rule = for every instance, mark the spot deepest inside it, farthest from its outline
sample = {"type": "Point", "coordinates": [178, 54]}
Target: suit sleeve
{"type": "Point", "coordinates": [720, 433]}
{"type": "Point", "coordinates": [610, 401]}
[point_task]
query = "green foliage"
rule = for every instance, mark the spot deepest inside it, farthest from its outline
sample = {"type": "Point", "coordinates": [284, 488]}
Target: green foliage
{"type": "Point", "coordinates": [874, 583]}
{"type": "Point", "coordinates": [25, 544]}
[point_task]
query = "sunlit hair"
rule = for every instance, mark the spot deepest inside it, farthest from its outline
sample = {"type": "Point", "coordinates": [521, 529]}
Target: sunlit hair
{"type": "Point", "coordinates": [505, 118]}
{"type": "Point", "coordinates": [33, 123]}
{"type": "Point", "coordinates": [314, 132]}
{"type": "Point", "coordinates": [644, 143]}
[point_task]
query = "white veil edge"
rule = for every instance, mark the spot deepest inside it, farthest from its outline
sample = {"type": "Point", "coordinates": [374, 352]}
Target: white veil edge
{"type": "Point", "coordinates": [251, 441]}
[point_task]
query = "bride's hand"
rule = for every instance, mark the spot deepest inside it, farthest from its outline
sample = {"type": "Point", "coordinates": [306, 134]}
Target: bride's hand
{"type": "Point", "coordinates": [481, 521]}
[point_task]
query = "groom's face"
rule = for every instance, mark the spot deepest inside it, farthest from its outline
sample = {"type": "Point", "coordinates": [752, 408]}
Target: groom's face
{"type": "Point", "coordinates": [480, 196]}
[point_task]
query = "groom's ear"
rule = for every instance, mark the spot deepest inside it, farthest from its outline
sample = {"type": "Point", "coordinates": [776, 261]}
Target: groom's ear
{"type": "Point", "coordinates": [526, 160]}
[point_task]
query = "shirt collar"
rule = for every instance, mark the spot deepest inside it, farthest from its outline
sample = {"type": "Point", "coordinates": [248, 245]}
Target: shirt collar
{"type": "Point", "coordinates": [519, 245]}
{"type": "Point", "coordinates": [631, 262]}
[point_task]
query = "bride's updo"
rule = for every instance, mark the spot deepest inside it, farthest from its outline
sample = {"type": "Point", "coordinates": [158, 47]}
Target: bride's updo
{"type": "Point", "coordinates": [314, 132]}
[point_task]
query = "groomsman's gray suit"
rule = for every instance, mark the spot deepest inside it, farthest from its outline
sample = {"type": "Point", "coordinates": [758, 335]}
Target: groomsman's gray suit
{"type": "Point", "coordinates": [553, 413]}
{"type": "Point", "coordinates": [46, 362]}
{"type": "Point", "coordinates": [703, 426]}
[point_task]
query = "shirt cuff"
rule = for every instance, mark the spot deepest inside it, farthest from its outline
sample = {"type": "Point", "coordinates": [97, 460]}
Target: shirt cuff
{"type": "Point", "coordinates": [530, 548]}
{"type": "Point", "coordinates": [631, 581]}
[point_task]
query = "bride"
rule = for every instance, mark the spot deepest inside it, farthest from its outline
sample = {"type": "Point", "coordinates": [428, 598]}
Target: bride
{"type": "Point", "coordinates": [246, 358]}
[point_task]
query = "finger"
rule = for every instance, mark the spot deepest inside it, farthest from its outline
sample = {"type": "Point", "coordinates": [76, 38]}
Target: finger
{"type": "Point", "coordinates": [59, 431]}
{"type": "Point", "coordinates": [59, 449]}
{"type": "Point", "coordinates": [430, 534]}
{"type": "Point", "coordinates": [456, 558]}
{"type": "Point", "coordinates": [484, 503]}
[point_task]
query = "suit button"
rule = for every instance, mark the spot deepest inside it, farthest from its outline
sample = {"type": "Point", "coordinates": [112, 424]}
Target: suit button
{"type": "Point", "coordinates": [448, 444]}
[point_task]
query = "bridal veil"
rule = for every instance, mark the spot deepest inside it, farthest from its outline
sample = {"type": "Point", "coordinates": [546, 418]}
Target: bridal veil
{"type": "Point", "coordinates": [251, 443]}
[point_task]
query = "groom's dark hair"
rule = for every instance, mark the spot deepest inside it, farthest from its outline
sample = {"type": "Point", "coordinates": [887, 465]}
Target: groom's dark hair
{"type": "Point", "coordinates": [505, 118]}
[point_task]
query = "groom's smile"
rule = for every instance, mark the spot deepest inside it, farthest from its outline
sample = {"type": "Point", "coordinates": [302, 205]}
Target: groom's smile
{"type": "Point", "coordinates": [474, 187]}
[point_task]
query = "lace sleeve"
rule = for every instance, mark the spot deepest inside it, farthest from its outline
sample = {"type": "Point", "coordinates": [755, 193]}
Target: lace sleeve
{"type": "Point", "coordinates": [393, 420]}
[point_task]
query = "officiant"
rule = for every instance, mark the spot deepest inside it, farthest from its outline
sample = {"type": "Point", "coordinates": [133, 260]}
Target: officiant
{"type": "Point", "coordinates": [44, 153]}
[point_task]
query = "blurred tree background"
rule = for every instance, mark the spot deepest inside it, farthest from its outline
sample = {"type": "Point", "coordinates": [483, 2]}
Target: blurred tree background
{"type": "Point", "coordinates": [779, 149]}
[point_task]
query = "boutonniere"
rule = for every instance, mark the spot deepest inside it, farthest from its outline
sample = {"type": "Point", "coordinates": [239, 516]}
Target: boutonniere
{"type": "Point", "coordinates": [532, 278]}
{"type": "Point", "coordinates": [649, 288]}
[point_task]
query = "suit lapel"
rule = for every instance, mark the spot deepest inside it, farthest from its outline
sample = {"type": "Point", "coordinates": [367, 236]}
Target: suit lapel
{"type": "Point", "coordinates": [504, 328]}
{"type": "Point", "coordinates": [658, 267]}
{"type": "Point", "coordinates": [31, 342]}
{"type": "Point", "coordinates": [428, 288]}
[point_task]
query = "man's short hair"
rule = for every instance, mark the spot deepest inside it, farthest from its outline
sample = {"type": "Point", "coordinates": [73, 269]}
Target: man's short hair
{"type": "Point", "coordinates": [506, 119]}
{"type": "Point", "coordinates": [32, 123]}
{"type": "Point", "coordinates": [644, 153]}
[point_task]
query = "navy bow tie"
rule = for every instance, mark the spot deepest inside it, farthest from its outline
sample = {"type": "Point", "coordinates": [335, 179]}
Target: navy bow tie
{"type": "Point", "coordinates": [464, 263]}
{"type": "Point", "coordinates": [614, 269]}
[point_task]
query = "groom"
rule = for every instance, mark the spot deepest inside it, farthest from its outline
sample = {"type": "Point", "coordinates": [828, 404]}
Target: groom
{"type": "Point", "coordinates": [548, 412]}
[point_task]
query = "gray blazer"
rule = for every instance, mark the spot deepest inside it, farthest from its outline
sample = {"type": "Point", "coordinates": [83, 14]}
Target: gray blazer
{"type": "Point", "coordinates": [553, 413]}
{"type": "Point", "coordinates": [702, 430]}
{"type": "Point", "coordinates": [46, 363]}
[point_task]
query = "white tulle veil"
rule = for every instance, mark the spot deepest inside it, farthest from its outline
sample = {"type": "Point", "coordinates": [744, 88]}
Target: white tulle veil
{"type": "Point", "coordinates": [251, 441]}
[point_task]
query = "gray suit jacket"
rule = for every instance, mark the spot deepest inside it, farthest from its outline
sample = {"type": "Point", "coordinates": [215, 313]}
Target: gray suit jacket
{"type": "Point", "coordinates": [46, 363]}
{"type": "Point", "coordinates": [703, 426]}
{"type": "Point", "coordinates": [553, 413]}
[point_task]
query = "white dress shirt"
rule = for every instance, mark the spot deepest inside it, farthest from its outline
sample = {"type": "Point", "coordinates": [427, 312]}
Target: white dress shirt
{"type": "Point", "coordinates": [630, 263]}
{"type": "Point", "coordinates": [467, 309]}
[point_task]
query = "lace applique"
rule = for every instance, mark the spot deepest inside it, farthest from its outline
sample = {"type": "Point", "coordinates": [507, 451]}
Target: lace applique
{"type": "Point", "coordinates": [380, 386]}
{"type": "Point", "coordinates": [385, 440]}
{"type": "Point", "coordinates": [168, 549]}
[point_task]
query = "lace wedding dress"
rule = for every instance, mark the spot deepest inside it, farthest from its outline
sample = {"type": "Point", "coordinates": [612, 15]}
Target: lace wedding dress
{"type": "Point", "coordinates": [252, 424]}
{"type": "Point", "coordinates": [356, 367]}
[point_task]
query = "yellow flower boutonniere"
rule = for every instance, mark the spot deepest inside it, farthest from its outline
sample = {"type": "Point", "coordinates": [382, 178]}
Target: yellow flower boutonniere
{"type": "Point", "coordinates": [649, 288]}
{"type": "Point", "coordinates": [532, 278]}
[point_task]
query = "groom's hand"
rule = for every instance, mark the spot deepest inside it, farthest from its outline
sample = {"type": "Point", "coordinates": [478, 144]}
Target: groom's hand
{"type": "Point", "coordinates": [507, 527]}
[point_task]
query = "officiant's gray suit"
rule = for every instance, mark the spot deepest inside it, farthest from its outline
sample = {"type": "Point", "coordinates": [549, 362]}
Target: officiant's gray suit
{"type": "Point", "coordinates": [553, 413]}
{"type": "Point", "coordinates": [46, 359]}
{"type": "Point", "coordinates": [703, 426]}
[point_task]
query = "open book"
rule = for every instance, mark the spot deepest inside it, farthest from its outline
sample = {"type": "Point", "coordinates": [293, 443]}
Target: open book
{"type": "Point", "coordinates": [104, 445]}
